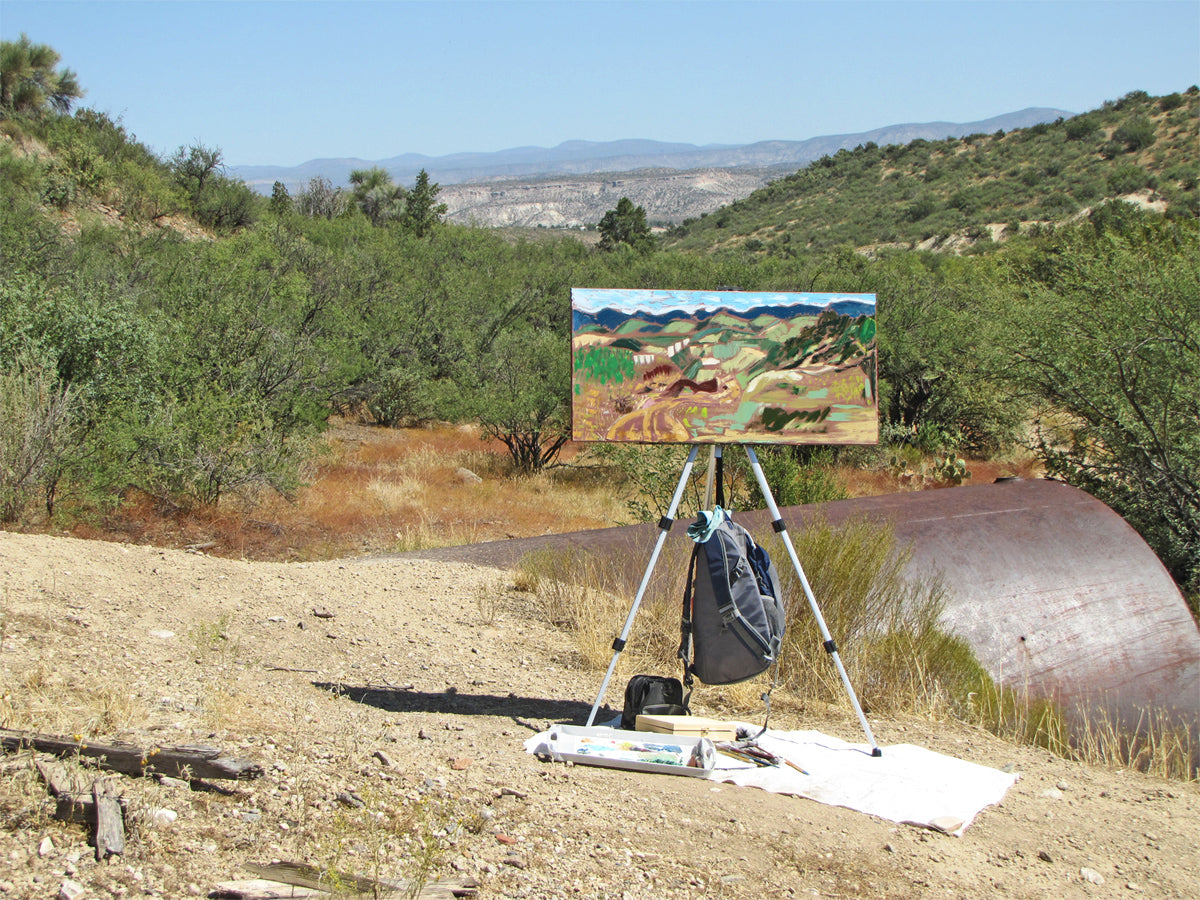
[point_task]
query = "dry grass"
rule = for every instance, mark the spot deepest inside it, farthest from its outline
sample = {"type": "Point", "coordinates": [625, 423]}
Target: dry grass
{"type": "Point", "coordinates": [894, 652]}
{"type": "Point", "coordinates": [898, 660]}
{"type": "Point", "coordinates": [91, 702]}
{"type": "Point", "coordinates": [378, 490]}
{"type": "Point", "coordinates": [1157, 743]}
{"type": "Point", "coordinates": [43, 699]}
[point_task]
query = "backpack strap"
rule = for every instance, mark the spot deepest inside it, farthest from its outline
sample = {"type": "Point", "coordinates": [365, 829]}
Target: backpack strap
{"type": "Point", "coordinates": [720, 478]}
{"type": "Point", "coordinates": [766, 699]}
{"type": "Point", "coordinates": [685, 630]}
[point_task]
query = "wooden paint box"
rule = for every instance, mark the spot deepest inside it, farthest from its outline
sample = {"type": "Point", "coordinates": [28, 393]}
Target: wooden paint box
{"type": "Point", "coordinates": [691, 726]}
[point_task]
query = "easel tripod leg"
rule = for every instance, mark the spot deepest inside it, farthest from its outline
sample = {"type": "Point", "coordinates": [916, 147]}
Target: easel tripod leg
{"type": "Point", "coordinates": [831, 648]}
{"type": "Point", "coordinates": [664, 525]}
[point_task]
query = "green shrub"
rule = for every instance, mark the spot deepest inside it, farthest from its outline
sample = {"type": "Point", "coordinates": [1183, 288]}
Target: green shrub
{"type": "Point", "coordinates": [1171, 101]}
{"type": "Point", "coordinates": [1127, 178]}
{"type": "Point", "coordinates": [792, 481]}
{"type": "Point", "coordinates": [59, 189]}
{"type": "Point", "coordinates": [142, 193]}
{"type": "Point", "coordinates": [1137, 133]}
{"type": "Point", "coordinates": [1081, 128]}
{"type": "Point", "coordinates": [404, 396]}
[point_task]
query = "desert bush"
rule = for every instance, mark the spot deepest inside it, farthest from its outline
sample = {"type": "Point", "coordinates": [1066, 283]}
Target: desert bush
{"type": "Point", "coordinates": [205, 447]}
{"type": "Point", "coordinates": [650, 473]}
{"type": "Point", "coordinates": [143, 194]}
{"type": "Point", "coordinates": [1127, 178]}
{"type": "Point", "coordinates": [320, 199]}
{"type": "Point", "coordinates": [403, 396]}
{"type": "Point", "coordinates": [1137, 133]}
{"type": "Point", "coordinates": [1081, 128]}
{"type": "Point", "coordinates": [795, 475]}
{"type": "Point", "coordinates": [36, 434]}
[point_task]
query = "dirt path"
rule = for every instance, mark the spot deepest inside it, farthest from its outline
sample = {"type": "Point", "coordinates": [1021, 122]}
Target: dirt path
{"type": "Point", "coordinates": [388, 701]}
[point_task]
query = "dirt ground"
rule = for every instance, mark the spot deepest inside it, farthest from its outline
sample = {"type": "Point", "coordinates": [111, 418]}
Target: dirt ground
{"type": "Point", "coordinates": [388, 701]}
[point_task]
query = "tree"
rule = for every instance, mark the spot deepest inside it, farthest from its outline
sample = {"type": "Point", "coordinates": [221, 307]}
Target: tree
{"type": "Point", "coordinates": [281, 200]}
{"type": "Point", "coordinates": [321, 200]}
{"type": "Point", "coordinates": [380, 198]}
{"type": "Point", "coordinates": [422, 212]}
{"type": "Point", "coordinates": [1105, 335]}
{"type": "Point", "coordinates": [29, 81]}
{"type": "Point", "coordinates": [195, 167]}
{"type": "Point", "coordinates": [522, 395]}
{"type": "Point", "coordinates": [625, 225]}
{"type": "Point", "coordinates": [215, 200]}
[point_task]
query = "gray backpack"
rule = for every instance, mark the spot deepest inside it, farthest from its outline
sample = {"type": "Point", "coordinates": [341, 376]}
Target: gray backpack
{"type": "Point", "coordinates": [733, 614]}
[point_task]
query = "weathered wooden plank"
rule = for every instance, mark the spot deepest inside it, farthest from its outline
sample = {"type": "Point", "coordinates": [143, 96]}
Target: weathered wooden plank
{"type": "Point", "coordinates": [181, 762]}
{"type": "Point", "coordinates": [261, 889]}
{"type": "Point", "coordinates": [110, 824]}
{"type": "Point", "coordinates": [81, 808]}
{"type": "Point", "coordinates": [72, 790]}
{"type": "Point", "coordinates": [307, 876]}
{"type": "Point", "coordinates": [77, 808]}
{"type": "Point", "coordinates": [61, 780]}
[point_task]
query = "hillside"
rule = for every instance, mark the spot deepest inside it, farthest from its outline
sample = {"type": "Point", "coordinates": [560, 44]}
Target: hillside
{"type": "Point", "coordinates": [971, 190]}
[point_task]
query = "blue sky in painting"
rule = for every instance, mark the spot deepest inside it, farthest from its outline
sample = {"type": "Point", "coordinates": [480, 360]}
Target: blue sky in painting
{"type": "Point", "coordinates": [593, 300]}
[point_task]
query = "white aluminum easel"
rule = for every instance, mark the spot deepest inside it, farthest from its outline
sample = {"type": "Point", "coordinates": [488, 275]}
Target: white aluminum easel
{"type": "Point", "coordinates": [664, 525]}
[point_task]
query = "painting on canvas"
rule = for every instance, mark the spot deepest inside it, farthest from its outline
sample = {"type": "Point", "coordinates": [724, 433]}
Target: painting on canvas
{"type": "Point", "coordinates": [723, 367]}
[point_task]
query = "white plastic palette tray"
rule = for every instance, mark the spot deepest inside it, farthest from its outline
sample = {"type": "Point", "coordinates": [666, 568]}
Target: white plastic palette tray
{"type": "Point", "coordinates": [641, 751]}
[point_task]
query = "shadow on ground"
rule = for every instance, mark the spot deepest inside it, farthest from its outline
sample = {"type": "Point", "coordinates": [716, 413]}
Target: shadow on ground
{"type": "Point", "coordinates": [519, 709]}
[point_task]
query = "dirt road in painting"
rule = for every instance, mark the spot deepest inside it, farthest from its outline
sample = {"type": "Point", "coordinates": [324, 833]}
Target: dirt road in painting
{"type": "Point", "coordinates": [665, 418]}
{"type": "Point", "coordinates": [660, 422]}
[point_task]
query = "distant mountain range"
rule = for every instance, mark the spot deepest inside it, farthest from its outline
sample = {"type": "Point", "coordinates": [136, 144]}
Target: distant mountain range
{"type": "Point", "coordinates": [574, 158]}
{"type": "Point", "coordinates": [610, 319]}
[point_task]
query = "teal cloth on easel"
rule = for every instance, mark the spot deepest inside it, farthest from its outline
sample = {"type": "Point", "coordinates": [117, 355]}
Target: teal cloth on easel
{"type": "Point", "coordinates": [706, 523]}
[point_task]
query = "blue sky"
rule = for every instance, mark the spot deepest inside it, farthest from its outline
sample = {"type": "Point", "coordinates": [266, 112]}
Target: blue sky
{"type": "Point", "coordinates": [284, 82]}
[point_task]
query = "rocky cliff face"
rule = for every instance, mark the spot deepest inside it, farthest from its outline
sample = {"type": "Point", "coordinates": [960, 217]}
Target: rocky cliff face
{"type": "Point", "coordinates": [666, 195]}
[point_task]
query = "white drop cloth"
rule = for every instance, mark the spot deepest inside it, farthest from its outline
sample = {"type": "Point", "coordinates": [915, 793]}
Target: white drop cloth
{"type": "Point", "coordinates": [906, 784]}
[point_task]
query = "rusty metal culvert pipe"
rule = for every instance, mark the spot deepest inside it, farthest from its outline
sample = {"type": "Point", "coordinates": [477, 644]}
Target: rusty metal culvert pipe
{"type": "Point", "coordinates": [1056, 594]}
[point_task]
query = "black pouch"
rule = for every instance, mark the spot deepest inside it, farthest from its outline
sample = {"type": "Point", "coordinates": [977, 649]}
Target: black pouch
{"type": "Point", "coordinates": [652, 695]}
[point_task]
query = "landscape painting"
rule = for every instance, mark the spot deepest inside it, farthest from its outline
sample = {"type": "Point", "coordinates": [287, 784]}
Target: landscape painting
{"type": "Point", "coordinates": [657, 366]}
